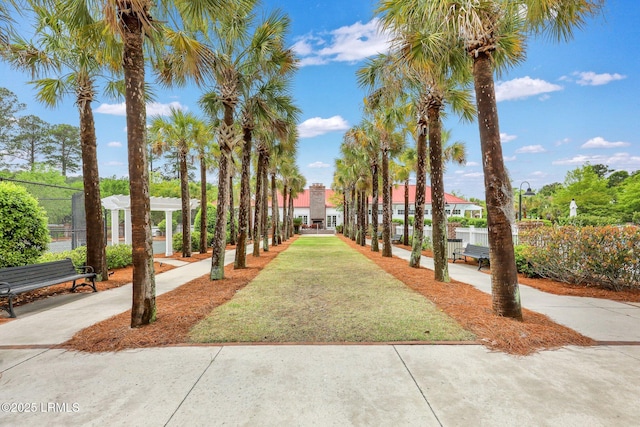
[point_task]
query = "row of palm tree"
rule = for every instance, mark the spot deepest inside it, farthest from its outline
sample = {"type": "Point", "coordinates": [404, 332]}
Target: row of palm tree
{"type": "Point", "coordinates": [240, 64]}
{"type": "Point", "coordinates": [441, 46]}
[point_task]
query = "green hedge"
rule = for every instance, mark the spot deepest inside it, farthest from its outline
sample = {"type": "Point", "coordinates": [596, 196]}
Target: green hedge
{"type": "Point", "coordinates": [608, 256]}
{"type": "Point", "coordinates": [118, 256]}
{"type": "Point", "coordinates": [23, 227]}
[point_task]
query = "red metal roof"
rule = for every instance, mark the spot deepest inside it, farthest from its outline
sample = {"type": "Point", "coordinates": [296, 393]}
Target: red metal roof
{"type": "Point", "coordinates": [397, 197]}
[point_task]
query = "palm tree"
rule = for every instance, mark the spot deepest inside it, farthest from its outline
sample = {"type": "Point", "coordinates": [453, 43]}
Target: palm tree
{"type": "Point", "coordinates": [203, 142]}
{"type": "Point", "coordinates": [262, 106]}
{"type": "Point", "coordinates": [70, 53]}
{"type": "Point", "coordinates": [178, 131]}
{"type": "Point", "coordinates": [406, 165]}
{"type": "Point", "coordinates": [297, 183]}
{"type": "Point", "coordinates": [493, 34]}
{"type": "Point", "coordinates": [184, 58]}
{"type": "Point", "coordinates": [240, 58]}
{"type": "Point", "coordinates": [364, 137]}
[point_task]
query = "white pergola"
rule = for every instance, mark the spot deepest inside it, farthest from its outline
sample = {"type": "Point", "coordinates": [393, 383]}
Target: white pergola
{"type": "Point", "coordinates": [167, 204]}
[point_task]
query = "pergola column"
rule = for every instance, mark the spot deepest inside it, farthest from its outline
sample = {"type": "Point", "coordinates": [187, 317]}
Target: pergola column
{"type": "Point", "coordinates": [127, 226]}
{"type": "Point", "coordinates": [168, 220]}
{"type": "Point", "coordinates": [115, 216]}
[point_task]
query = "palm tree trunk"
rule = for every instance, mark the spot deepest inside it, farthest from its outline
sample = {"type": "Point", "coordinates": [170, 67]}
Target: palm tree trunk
{"type": "Point", "coordinates": [421, 182]}
{"type": "Point", "coordinates": [345, 216]}
{"type": "Point", "coordinates": [220, 234]}
{"type": "Point", "coordinates": [439, 230]}
{"type": "Point", "coordinates": [405, 231]}
{"type": "Point", "coordinates": [285, 218]}
{"type": "Point", "coordinates": [143, 309]}
{"type": "Point", "coordinates": [232, 216]}
{"type": "Point", "coordinates": [498, 194]}
{"type": "Point", "coordinates": [374, 208]}
{"type": "Point", "coordinates": [185, 198]}
{"type": "Point", "coordinates": [353, 213]}
{"type": "Point", "coordinates": [96, 253]}
{"type": "Point", "coordinates": [257, 218]}
{"type": "Point", "coordinates": [244, 213]}
{"type": "Point", "coordinates": [265, 204]}
{"type": "Point", "coordinates": [386, 203]}
{"type": "Point", "coordinates": [275, 212]}
{"type": "Point", "coordinates": [291, 228]}
{"type": "Point", "coordinates": [203, 206]}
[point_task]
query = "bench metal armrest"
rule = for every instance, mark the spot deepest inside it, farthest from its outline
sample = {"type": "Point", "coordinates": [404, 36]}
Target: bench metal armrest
{"type": "Point", "coordinates": [86, 269]}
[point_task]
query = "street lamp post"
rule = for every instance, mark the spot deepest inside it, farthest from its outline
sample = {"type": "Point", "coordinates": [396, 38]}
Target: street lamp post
{"type": "Point", "coordinates": [529, 192]}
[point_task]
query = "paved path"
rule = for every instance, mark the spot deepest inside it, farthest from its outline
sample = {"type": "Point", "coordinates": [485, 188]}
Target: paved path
{"type": "Point", "coordinates": [327, 385]}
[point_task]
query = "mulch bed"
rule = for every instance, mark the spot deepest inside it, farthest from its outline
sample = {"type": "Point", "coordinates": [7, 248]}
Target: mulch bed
{"type": "Point", "coordinates": [183, 307]}
{"type": "Point", "coordinates": [177, 311]}
{"type": "Point", "coordinates": [472, 308]}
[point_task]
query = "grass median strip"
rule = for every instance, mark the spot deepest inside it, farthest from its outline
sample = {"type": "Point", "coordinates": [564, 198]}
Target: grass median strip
{"type": "Point", "coordinates": [320, 290]}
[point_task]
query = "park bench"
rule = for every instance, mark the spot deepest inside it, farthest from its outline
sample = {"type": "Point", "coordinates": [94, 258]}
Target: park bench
{"type": "Point", "coordinates": [481, 253]}
{"type": "Point", "coordinates": [396, 238]}
{"type": "Point", "coordinates": [17, 280]}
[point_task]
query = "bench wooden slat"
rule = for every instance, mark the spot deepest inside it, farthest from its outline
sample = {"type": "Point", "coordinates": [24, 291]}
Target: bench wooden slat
{"type": "Point", "coordinates": [17, 280]}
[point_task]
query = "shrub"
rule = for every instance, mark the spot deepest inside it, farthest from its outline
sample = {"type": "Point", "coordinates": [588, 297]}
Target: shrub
{"type": "Point", "coordinates": [195, 241]}
{"type": "Point", "coordinates": [523, 266]}
{"type": "Point", "coordinates": [603, 256]}
{"type": "Point", "coordinates": [118, 256]}
{"type": "Point", "coordinates": [162, 225]}
{"type": "Point", "coordinates": [23, 227]}
{"type": "Point", "coordinates": [464, 222]}
{"type": "Point", "coordinates": [211, 219]}
{"type": "Point", "coordinates": [477, 222]}
{"type": "Point", "coordinates": [398, 221]}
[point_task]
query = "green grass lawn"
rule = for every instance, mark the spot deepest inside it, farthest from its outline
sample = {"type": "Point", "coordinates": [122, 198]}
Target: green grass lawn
{"type": "Point", "coordinates": [320, 290]}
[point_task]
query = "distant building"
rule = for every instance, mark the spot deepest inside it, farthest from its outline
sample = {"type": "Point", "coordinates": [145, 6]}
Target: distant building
{"type": "Point", "coordinates": [317, 206]}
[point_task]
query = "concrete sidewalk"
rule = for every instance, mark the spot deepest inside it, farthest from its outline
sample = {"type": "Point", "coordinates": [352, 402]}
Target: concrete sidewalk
{"type": "Point", "coordinates": [325, 385]}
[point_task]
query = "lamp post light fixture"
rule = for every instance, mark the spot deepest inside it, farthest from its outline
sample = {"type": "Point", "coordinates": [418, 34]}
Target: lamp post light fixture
{"type": "Point", "coordinates": [529, 192]}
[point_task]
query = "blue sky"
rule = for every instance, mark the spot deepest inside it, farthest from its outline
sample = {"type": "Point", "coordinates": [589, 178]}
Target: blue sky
{"type": "Point", "coordinates": [566, 105]}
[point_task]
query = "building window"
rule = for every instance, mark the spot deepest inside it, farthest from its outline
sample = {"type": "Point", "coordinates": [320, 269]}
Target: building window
{"type": "Point", "coordinates": [412, 211]}
{"type": "Point", "coordinates": [332, 220]}
{"type": "Point", "coordinates": [447, 211]}
{"type": "Point", "coordinates": [456, 211]}
{"type": "Point", "coordinates": [304, 219]}
{"type": "Point", "coordinates": [400, 211]}
{"type": "Point", "coordinates": [426, 211]}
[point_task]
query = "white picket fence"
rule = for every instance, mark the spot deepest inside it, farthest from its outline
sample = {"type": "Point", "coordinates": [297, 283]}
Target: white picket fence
{"type": "Point", "coordinates": [472, 235]}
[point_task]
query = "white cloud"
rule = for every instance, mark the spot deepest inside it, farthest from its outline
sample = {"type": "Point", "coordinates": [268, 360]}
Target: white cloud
{"type": "Point", "coordinates": [589, 78]}
{"type": "Point", "coordinates": [523, 87]}
{"type": "Point", "coordinates": [474, 175]}
{"type": "Point", "coordinates": [531, 149]}
{"type": "Point", "coordinates": [563, 141]}
{"type": "Point", "coordinates": [114, 163]}
{"type": "Point", "coordinates": [505, 137]}
{"type": "Point", "coordinates": [509, 158]}
{"type": "Point", "coordinates": [318, 165]}
{"type": "Point", "coordinates": [351, 44]}
{"type": "Point", "coordinates": [114, 144]}
{"type": "Point", "coordinates": [600, 142]}
{"type": "Point", "coordinates": [539, 174]}
{"type": "Point", "coordinates": [319, 126]}
{"type": "Point", "coordinates": [619, 160]}
{"type": "Point", "coordinates": [153, 109]}
{"type": "Point", "coordinates": [472, 164]}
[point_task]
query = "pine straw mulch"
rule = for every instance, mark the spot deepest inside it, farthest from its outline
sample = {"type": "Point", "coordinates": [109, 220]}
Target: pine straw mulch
{"type": "Point", "coordinates": [177, 311]}
{"type": "Point", "coordinates": [472, 308]}
{"type": "Point", "coordinates": [559, 288]}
